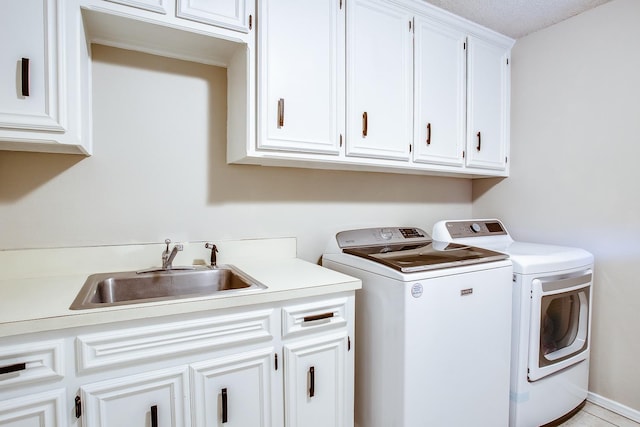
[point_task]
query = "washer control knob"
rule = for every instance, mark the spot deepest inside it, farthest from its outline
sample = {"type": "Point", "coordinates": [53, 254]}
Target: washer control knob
{"type": "Point", "coordinates": [386, 233]}
{"type": "Point", "coordinates": [475, 227]}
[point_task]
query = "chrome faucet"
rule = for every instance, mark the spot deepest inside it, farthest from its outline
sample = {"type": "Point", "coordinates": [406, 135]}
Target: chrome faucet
{"type": "Point", "coordinates": [167, 257]}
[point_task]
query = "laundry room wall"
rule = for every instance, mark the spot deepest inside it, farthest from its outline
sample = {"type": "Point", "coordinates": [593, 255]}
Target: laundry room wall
{"type": "Point", "coordinates": [159, 170]}
{"type": "Point", "coordinates": [575, 145]}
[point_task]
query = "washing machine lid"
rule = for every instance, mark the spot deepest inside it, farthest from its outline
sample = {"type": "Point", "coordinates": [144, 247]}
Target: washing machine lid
{"type": "Point", "coordinates": [411, 249]}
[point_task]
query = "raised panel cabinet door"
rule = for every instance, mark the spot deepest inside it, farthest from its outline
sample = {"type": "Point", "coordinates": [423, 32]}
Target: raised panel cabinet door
{"type": "Point", "coordinates": [379, 80]}
{"type": "Point", "coordinates": [35, 410]}
{"type": "Point", "coordinates": [315, 382]}
{"type": "Point", "coordinates": [439, 102]}
{"type": "Point", "coordinates": [487, 104]}
{"type": "Point", "coordinates": [153, 399]}
{"type": "Point", "coordinates": [30, 73]}
{"type": "Point", "coordinates": [233, 391]}
{"type": "Point", "coordinates": [301, 75]}
{"type": "Point", "coordinates": [231, 14]}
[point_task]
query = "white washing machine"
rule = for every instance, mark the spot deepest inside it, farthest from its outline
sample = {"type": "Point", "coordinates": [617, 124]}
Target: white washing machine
{"type": "Point", "coordinates": [551, 321]}
{"type": "Point", "coordinates": [433, 329]}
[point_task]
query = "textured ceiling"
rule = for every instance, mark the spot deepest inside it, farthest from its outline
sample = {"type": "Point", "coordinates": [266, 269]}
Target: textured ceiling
{"type": "Point", "coordinates": [516, 18]}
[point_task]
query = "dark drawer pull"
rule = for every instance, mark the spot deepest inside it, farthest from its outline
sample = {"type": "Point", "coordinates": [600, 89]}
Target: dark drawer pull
{"type": "Point", "coordinates": [154, 416]}
{"type": "Point", "coordinates": [225, 414]}
{"type": "Point", "coordinates": [312, 381]}
{"type": "Point", "coordinates": [318, 317]}
{"type": "Point", "coordinates": [25, 76]}
{"type": "Point", "coordinates": [13, 368]}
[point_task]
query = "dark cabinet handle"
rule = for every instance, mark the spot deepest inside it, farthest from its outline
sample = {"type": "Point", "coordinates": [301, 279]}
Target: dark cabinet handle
{"type": "Point", "coordinates": [315, 317]}
{"type": "Point", "coordinates": [365, 124]}
{"type": "Point", "coordinates": [224, 406]}
{"type": "Point", "coordinates": [13, 368]}
{"type": "Point", "coordinates": [479, 141]}
{"type": "Point", "coordinates": [428, 133]}
{"type": "Point", "coordinates": [154, 416]}
{"type": "Point", "coordinates": [312, 381]}
{"type": "Point", "coordinates": [280, 113]}
{"type": "Point", "coordinates": [25, 76]}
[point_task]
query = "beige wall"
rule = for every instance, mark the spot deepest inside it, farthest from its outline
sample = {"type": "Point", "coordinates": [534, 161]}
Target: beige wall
{"type": "Point", "coordinates": [159, 171]}
{"type": "Point", "coordinates": [575, 145]}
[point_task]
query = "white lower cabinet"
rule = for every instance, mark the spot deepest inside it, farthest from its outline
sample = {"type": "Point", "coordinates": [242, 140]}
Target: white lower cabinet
{"type": "Point", "coordinates": [35, 410]}
{"type": "Point", "coordinates": [315, 381]}
{"type": "Point", "coordinates": [281, 363]}
{"type": "Point", "coordinates": [157, 398]}
{"type": "Point", "coordinates": [234, 391]}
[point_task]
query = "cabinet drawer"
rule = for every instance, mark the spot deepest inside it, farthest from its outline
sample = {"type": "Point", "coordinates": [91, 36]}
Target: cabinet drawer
{"type": "Point", "coordinates": [31, 362]}
{"type": "Point", "coordinates": [314, 317]}
{"type": "Point", "coordinates": [124, 346]}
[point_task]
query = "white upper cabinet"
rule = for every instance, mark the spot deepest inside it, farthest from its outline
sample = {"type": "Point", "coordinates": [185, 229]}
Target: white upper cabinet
{"type": "Point", "coordinates": [487, 105]}
{"type": "Point", "coordinates": [379, 80]}
{"type": "Point", "coordinates": [29, 66]}
{"type": "Point", "coordinates": [230, 14]}
{"type": "Point", "coordinates": [301, 76]}
{"type": "Point", "coordinates": [159, 6]}
{"type": "Point", "coordinates": [42, 83]}
{"type": "Point", "coordinates": [440, 97]}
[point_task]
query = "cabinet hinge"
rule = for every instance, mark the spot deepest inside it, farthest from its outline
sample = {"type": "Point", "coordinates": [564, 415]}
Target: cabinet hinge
{"type": "Point", "coordinates": [275, 362]}
{"type": "Point", "coordinates": [348, 343]}
{"type": "Point", "coordinates": [78, 407]}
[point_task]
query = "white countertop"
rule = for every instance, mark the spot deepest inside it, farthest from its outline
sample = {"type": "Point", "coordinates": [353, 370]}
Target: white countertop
{"type": "Point", "coordinates": [38, 286]}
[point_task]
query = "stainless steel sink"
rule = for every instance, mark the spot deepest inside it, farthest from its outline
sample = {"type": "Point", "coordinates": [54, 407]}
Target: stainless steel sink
{"type": "Point", "coordinates": [130, 287]}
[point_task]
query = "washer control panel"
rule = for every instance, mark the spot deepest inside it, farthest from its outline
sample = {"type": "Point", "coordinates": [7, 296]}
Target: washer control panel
{"type": "Point", "coordinates": [475, 228]}
{"type": "Point", "coordinates": [384, 236]}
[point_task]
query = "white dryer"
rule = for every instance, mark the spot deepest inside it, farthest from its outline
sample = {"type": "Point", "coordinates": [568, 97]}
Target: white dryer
{"type": "Point", "coordinates": [551, 320]}
{"type": "Point", "coordinates": [433, 329]}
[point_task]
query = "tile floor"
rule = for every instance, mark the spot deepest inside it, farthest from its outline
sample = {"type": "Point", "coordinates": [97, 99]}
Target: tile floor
{"type": "Point", "coordinates": [596, 416]}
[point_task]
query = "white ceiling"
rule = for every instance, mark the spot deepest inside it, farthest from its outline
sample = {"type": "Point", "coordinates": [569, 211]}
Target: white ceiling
{"type": "Point", "coordinates": [516, 18]}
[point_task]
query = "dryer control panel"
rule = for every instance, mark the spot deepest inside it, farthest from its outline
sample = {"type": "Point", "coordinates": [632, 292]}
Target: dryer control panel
{"type": "Point", "coordinates": [475, 228]}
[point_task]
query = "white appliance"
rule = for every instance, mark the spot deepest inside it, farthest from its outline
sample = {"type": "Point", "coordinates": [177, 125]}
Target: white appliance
{"type": "Point", "coordinates": [433, 329]}
{"type": "Point", "coordinates": [551, 321]}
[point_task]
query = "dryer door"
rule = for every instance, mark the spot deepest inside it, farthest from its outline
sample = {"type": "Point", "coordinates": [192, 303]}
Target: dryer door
{"type": "Point", "coordinates": [559, 331]}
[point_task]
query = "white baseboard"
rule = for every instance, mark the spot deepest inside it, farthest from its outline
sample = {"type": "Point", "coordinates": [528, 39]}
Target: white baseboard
{"type": "Point", "coordinates": [614, 406]}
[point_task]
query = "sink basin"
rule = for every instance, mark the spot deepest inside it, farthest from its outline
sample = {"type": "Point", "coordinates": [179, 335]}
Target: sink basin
{"type": "Point", "coordinates": [130, 287]}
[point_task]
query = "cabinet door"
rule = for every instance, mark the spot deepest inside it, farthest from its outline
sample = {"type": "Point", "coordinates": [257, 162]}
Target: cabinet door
{"type": "Point", "coordinates": [439, 103]}
{"type": "Point", "coordinates": [36, 410]}
{"type": "Point", "coordinates": [379, 80]}
{"type": "Point", "coordinates": [158, 398]}
{"type": "Point", "coordinates": [233, 391]}
{"type": "Point", "coordinates": [301, 75]}
{"type": "Point", "coordinates": [487, 105]}
{"type": "Point", "coordinates": [232, 14]}
{"type": "Point", "coordinates": [160, 6]}
{"type": "Point", "coordinates": [29, 69]}
{"type": "Point", "coordinates": [315, 382]}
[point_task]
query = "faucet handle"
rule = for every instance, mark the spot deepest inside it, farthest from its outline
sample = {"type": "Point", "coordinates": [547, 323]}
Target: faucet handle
{"type": "Point", "coordinates": [166, 242]}
{"type": "Point", "coordinates": [214, 251]}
